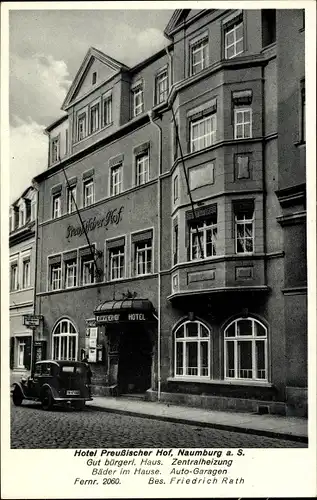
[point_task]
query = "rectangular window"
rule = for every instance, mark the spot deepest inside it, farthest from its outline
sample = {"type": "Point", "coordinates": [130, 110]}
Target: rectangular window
{"type": "Point", "coordinates": [268, 26]}
{"type": "Point", "coordinates": [244, 229]}
{"type": "Point", "coordinates": [94, 78]}
{"type": "Point", "coordinates": [26, 273]}
{"type": "Point", "coordinates": [203, 132]}
{"type": "Point", "coordinates": [199, 56]}
{"type": "Point", "coordinates": [242, 123]}
{"type": "Point", "coordinates": [14, 277]}
{"type": "Point", "coordinates": [175, 244]}
{"type": "Point", "coordinates": [161, 86]}
{"type": "Point", "coordinates": [175, 188]}
{"type": "Point", "coordinates": [10, 221]}
{"type": "Point", "coordinates": [116, 179]}
{"type": "Point", "coordinates": [234, 39]}
{"type": "Point", "coordinates": [201, 175]}
{"type": "Point", "coordinates": [20, 352]}
{"type": "Point", "coordinates": [56, 206]}
{"type": "Point", "coordinates": [66, 141]}
{"type": "Point", "coordinates": [55, 150]}
{"type": "Point", "coordinates": [87, 271]}
{"type": "Point", "coordinates": [71, 199]}
{"type": "Point", "coordinates": [242, 167]}
{"type": "Point", "coordinates": [71, 273]}
{"type": "Point", "coordinates": [21, 216]}
{"type": "Point", "coordinates": [142, 168]}
{"type": "Point", "coordinates": [81, 127]}
{"type": "Point", "coordinates": [56, 276]}
{"type": "Point", "coordinates": [138, 104]}
{"type": "Point", "coordinates": [94, 118]}
{"type": "Point", "coordinates": [303, 112]}
{"type": "Point", "coordinates": [203, 238]}
{"type": "Point", "coordinates": [89, 193]}
{"type": "Point", "coordinates": [107, 111]}
{"type": "Point", "coordinates": [116, 263]}
{"type": "Point", "coordinates": [143, 258]}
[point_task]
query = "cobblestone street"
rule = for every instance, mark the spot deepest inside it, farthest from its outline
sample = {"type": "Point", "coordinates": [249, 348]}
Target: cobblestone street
{"type": "Point", "coordinates": [31, 427]}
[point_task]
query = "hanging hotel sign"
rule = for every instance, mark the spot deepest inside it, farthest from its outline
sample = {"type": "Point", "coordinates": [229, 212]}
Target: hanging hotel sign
{"type": "Point", "coordinates": [112, 217]}
{"type": "Point", "coordinates": [122, 317]}
{"type": "Point", "coordinates": [31, 320]}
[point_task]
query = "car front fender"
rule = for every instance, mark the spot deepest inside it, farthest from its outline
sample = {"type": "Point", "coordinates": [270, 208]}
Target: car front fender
{"type": "Point", "coordinates": [22, 389]}
{"type": "Point", "coordinates": [53, 391]}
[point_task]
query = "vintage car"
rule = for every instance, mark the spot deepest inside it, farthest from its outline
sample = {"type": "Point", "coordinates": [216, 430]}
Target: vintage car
{"type": "Point", "coordinates": [55, 382]}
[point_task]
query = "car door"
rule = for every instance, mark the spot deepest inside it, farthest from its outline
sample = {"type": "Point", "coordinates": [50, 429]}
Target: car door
{"type": "Point", "coordinates": [36, 384]}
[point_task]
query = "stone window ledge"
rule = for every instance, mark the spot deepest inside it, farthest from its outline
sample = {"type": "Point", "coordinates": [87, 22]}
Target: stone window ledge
{"type": "Point", "coordinates": [220, 382]}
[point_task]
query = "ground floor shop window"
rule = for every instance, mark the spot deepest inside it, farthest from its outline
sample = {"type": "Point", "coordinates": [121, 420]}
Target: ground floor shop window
{"type": "Point", "coordinates": [192, 350]}
{"type": "Point", "coordinates": [245, 350]}
{"type": "Point", "coordinates": [65, 341]}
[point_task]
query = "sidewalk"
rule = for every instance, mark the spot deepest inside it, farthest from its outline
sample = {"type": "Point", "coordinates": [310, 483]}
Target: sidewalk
{"type": "Point", "coordinates": [291, 428]}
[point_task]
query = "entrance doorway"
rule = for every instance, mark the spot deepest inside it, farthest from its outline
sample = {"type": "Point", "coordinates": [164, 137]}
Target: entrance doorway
{"type": "Point", "coordinates": [135, 361]}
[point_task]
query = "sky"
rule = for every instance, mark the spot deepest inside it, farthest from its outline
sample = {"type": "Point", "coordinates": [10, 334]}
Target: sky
{"type": "Point", "coordinates": [46, 50]}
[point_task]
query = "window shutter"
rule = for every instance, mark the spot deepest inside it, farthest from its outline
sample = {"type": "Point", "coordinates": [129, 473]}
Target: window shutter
{"type": "Point", "coordinates": [242, 97]}
{"type": "Point", "coordinates": [86, 252]}
{"type": "Point", "coordinates": [12, 353]}
{"type": "Point", "coordinates": [70, 255]}
{"type": "Point", "coordinates": [243, 206]}
{"type": "Point", "coordinates": [116, 160]}
{"type": "Point", "coordinates": [27, 353]}
{"type": "Point", "coordinates": [146, 235]}
{"type": "Point", "coordinates": [116, 243]}
{"type": "Point", "coordinates": [201, 212]}
{"type": "Point", "coordinates": [56, 259]}
{"type": "Point", "coordinates": [142, 148]}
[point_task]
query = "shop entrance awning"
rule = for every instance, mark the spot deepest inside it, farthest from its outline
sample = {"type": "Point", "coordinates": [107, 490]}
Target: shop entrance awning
{"type": "Point", "coordinates": [124, 311]}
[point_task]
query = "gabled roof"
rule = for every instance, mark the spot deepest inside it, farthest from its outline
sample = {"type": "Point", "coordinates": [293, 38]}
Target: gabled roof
{"type": "Point", "coordinates": [178, 16]}
{"type": "Point", "coordinates": [90, 56]}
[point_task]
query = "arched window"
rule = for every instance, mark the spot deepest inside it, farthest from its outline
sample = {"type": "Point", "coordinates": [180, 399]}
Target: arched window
{"type": "Point", "coordinates": [65, 340]}
{"type": "Point", "coordinates": [245, 350]}
{"type": "Point", "coordinates": [192, 358]}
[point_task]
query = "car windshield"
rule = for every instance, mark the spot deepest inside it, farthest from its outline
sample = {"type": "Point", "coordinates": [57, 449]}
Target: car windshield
{"type": "Point", "coordinates": [73, 369]}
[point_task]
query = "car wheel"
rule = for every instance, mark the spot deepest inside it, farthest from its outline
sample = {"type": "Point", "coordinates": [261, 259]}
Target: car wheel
{"type": "Point", "coordinates": [17, 397]}
{"type": "Point", "coordinates": [47, 400]}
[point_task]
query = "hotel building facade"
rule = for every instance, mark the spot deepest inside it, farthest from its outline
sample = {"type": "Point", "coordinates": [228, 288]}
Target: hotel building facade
{"type": "Point", "coordinates": [168, 212]}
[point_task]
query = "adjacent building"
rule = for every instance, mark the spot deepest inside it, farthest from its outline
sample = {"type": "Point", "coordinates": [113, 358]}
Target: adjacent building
{"type": "Point", "coordinates": [22, 225]}
{"type": "Point", "coordinates": [167, 216]}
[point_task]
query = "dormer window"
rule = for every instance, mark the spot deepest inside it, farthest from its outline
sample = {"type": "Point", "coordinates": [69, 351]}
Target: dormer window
{"type": "Point", "coordinates": [21, 216]}
{"type": "Point", "coordinates": [55, 150]}
{"type": "Point", "coordinates": [81, 126]}
{"type": "Point", "coordinates": [94, 118]}
{"type": "Point", "coordinates": [94, 78]}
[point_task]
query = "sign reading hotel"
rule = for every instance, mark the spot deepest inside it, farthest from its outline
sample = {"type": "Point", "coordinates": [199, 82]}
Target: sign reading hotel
{"type": "Point", "coordinates": [112, 217]}
{"type": "Point", "coordinates": [119, 317]}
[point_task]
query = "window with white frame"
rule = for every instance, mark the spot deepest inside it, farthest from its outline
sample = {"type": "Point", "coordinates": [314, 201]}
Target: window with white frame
{"type": "Point", "coordinates": [138, 102]}
{"type": "Point", "coordinates": [107, 110]}
{"type": "Point", "coordinates": [242, 123]}
{"type": "Point", "coordinates": [245, 349]}
{"type": "Point", "coordinates": [201, 175]}
{"type": "Point", "coordinates": [55, 150]}
{"type": "Point", "coordinates": [203, 238]}
{"type": "Point", "coordinates": [20, 352]}
{"type": "Point", "coordinates": [143, 257]}
{"type": "Point", "coordinates": [175, 189]}
{"type": "Point", "coordinates": [22, 216]}
{"type": "Point", "coordinates": [87, 271]}
{"type": "Point", "coordinates": [116, 179]}
{"type": "Point", "coordinates": [65, 341]}
{"type": "Point", "coordinates": [199, 56]}
{"type": "Point", "coordinates": [192, 350]}
{"type": "Point", "coordinates": [56, 276]}
{"type": "Point", "coordinates": [33, 210]}
{"type": "Point", "coordinates": [56, 206]}
{"type": "Point", "coordinates": [81, 126]}
{"type": "Point", "coordinates": [26, 273]}
{"type": "Point", "coordinates": [94, 118]}
{"type": "Point", "coordinates": [70, 273]}
{"type": "Point", "coordinates": [89, 192]}
{"type": "Point", "coordinates": [244, 227]}
{"type": "Point", "coordinates": [142, 168]}
{"type": "Point", "coordinates": [203, 132]}
{"type": "Point", "coordinates": [116, 263]}
{"type": "Point", "coordinates": [233, 35]}
{"type": "Point", "coordinates": [13, 276]}
{"type": "Point", "coordinates": [71, 199]}
{"type": "Point", "coordinates": [161, 87]}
